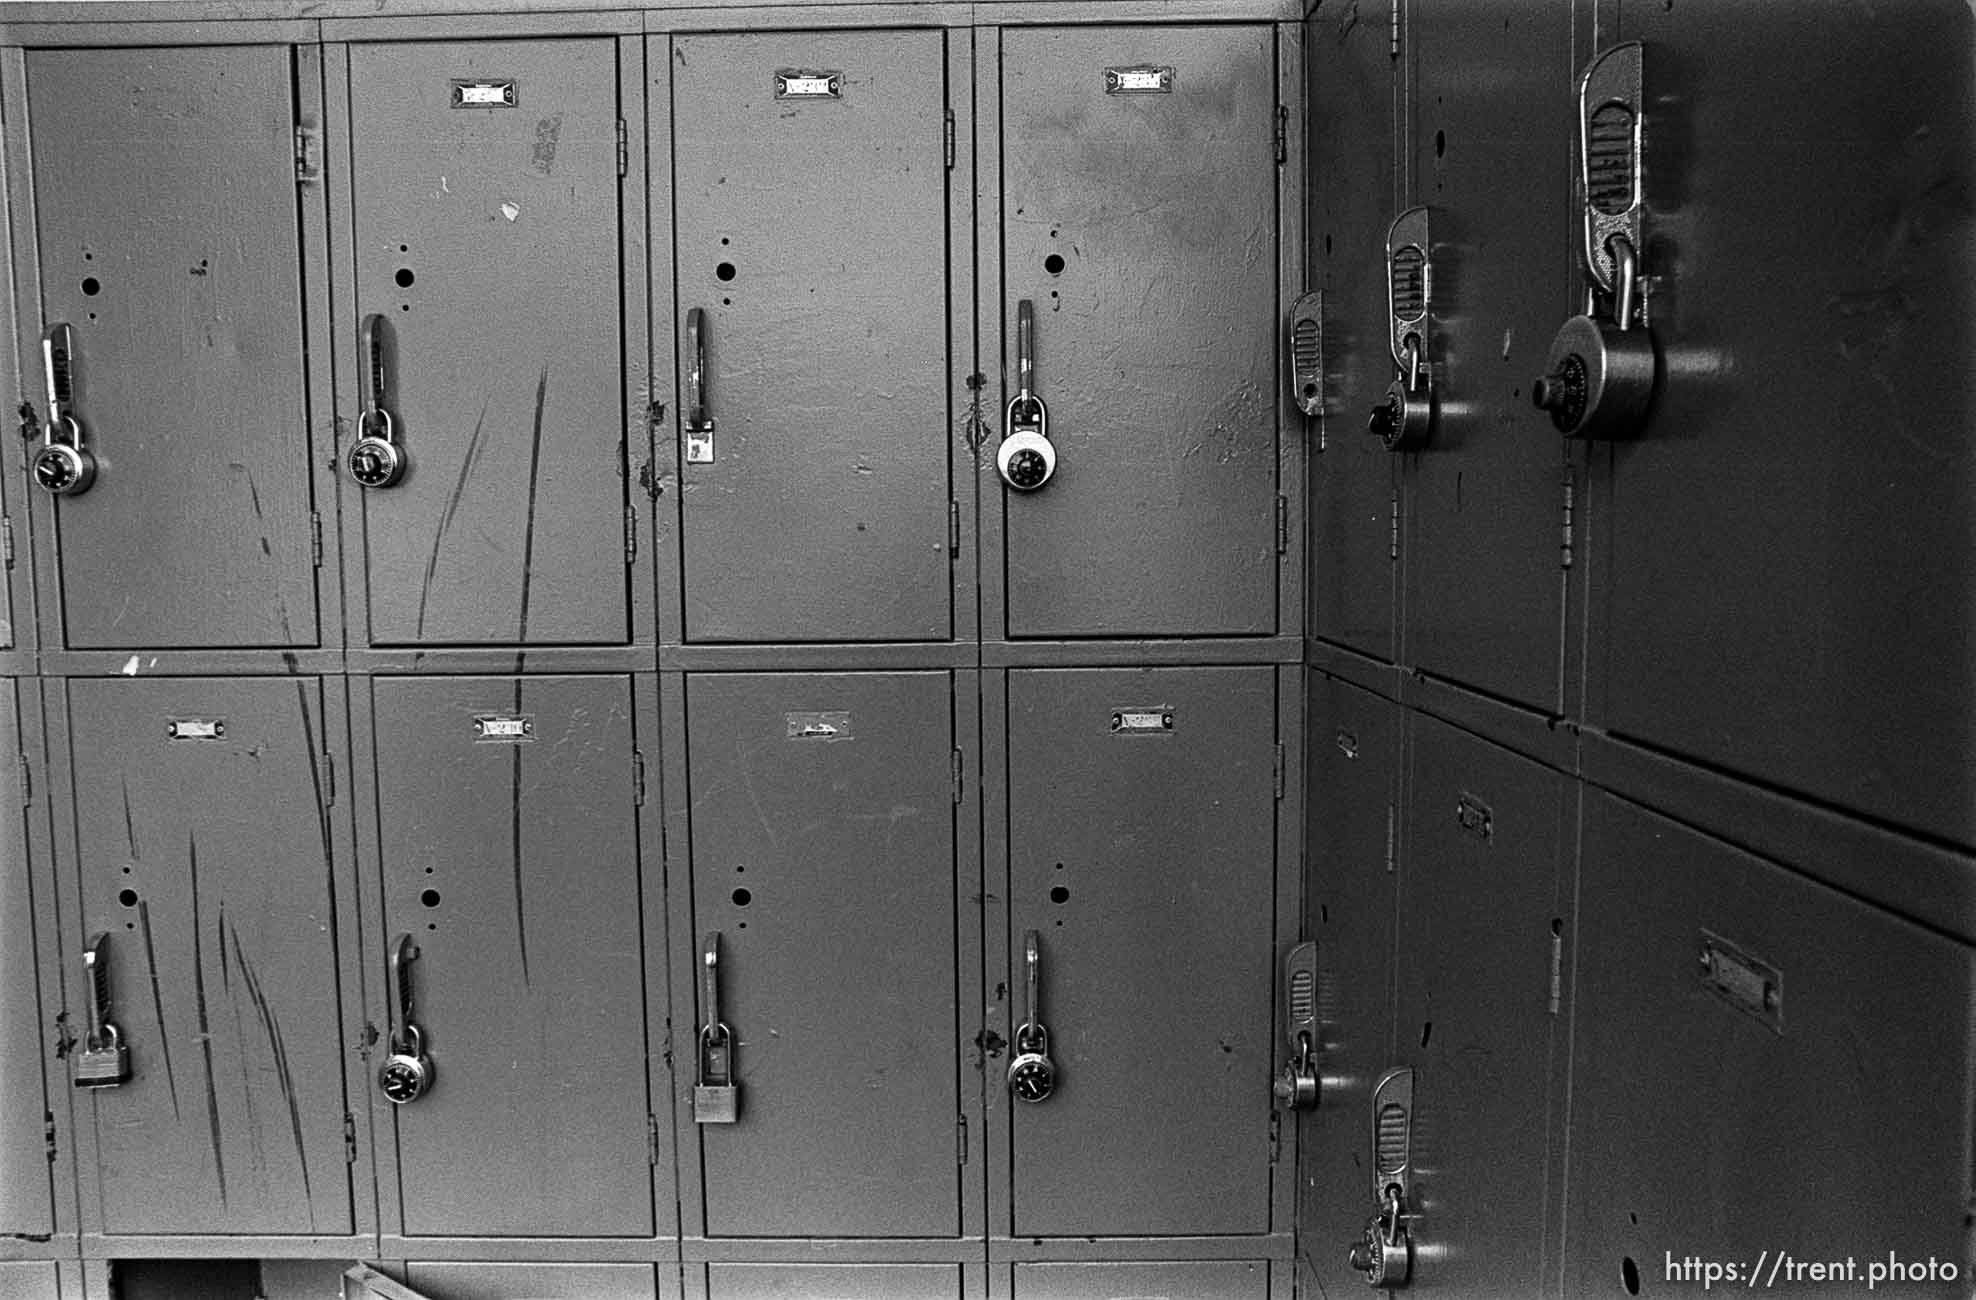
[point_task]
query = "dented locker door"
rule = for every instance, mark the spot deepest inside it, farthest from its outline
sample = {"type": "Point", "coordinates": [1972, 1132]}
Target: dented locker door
{"type": "Point", "coordinates": [1763, 1071]}
{"type": "Point", "coordinates": [823, 854]}
{"type": "Point", "coordinates": [1479, 951]}
{"type": "Point", "coordinates": [833, 1281]}
{"type": "Point", "coordinates": [509, 842]}
{"type": "Point", "coordinates": [1229, 1279]}
{"type": "Point", "coordinates": [26, 1195]}
{"type": "Point", "coordinates": [812, 232]}
{"type": "Point", "coordinates": [1143, 228]}
{"type": "Point", "coordinates": [166, 205]}
{"type": "Point", "coordinates": [1143, 856]}
{"type": "Point", "coordinates": [1355, 742]}
{"type": "Point", "coordinates": [203, 849]}
{"type": "Point", "coordinates": [488, 240]}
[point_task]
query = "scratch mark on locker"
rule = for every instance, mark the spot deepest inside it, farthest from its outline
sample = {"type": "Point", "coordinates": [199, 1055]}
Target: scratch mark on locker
{"type": "Point", "coordinates": [446, 517]}
{"type": "Point", "coordinates": [254, 1140]}
{"type": "Point", "coordinates": [534, 485]}
{"type": "Point", "coordinates": [315, 778]}
{"type": "Point", "coordinates": [278, 1048]}
{"type": "Point", "coordinates": [205, 1025]}
{"type": "Point", "coordinates": [157, 999]}
{"type": "Point", "coordinates": [130, 823]}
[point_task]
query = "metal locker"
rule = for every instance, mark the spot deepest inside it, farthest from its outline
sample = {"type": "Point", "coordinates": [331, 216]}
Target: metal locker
{"type": "Point", "coordinates": [1355, 482]}
{"type": "Point", "coordinates": [488, 301]}
{"type": "Point", "coordinates": [1352, 893]}
{"type": "Point", "coordinates": [205, 894]}
{"type": "Point", "coordinates": [1765, 1073]}
{"type": "Point", "coordinates": [1783, 539]}
{"type": "Point", "coordinates": [532, 1281]}
{"type": "Point", "coordinates": [823, 850]}
{"type": "Point", "coordinates": [1142, 855]}
{"type": "Point", "coordinates": [26, 1194]}
{"type": "Point", "coordinates": [811, 184]}
{"type": "Point", "coordinates": [833, 1281]}
{"type": "Point", "coordinates": [1221, 1279]}
{"type": "Point", "coordinates": [165, 205]}
{"type": "Point", "coordinates": [1138, 217]}
{"type": "Point", "coordinates": [1487, 493]}
{"type": "Point", "coordinates": [508, 834]}
{"type": "Point", "coordinates": [30, 1280]}
{"type": "Point", "coordinates": [1480, 950]}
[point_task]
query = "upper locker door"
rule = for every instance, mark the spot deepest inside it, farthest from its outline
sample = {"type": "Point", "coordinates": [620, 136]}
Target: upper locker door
{"type": "Point", "coordinates": [164, 190]}
{"type": "Point", "coordinates": [1139, 219]}
{"type": "Point", "coordinates": [812, 237]}
{"type": "Point", "coordinates": [485, 188]}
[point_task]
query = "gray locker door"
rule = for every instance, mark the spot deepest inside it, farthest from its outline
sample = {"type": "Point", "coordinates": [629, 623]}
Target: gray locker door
{"type": "Point", "coordinates": [513, 864]}
{"type": "Point", "coordinates": [30, 1280]}
{"type": "Point", "coordinates": [26, 1207]}
{"type": "Point", "coordinates": [1230, 1279]}
{"type": "Point", "coordinates": [1143, 227]}
{"type": "Point", "coordinates": [532, 1281]}
{"type": "Point", "coordinates": [812, 230]}
{"type": "Point", "coordinates": [1838, 1129]}
{"type": "Point", "coordinates": [833, 1281]}
{"type": "Point", "coordinates": [1145, 859]}
{"type": "Point", "coordinates": [1352, 891]}
{"type": "Point", "coordinates": [1478, 902]}
{"type": "Point", "coordinates": [165, 197]}
{"type": "Point", "coordinates": [488, 238]}
{"type": "Point", "coordinates": [204, 855]}
{"type": "Point", "coordinates": [823, 852]}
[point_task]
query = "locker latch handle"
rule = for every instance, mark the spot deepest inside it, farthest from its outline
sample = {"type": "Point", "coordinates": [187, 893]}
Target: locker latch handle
{"type": "Point", "coordinates": [1403, 421]}
{"type": "Point", "coordinates": [1384, 1253]}
{"type": "Point", "coordinates": [699, 391]}
{"type": "Point", "coordinates": [1296, 1088]}
{"type": "Point", "coordinates": [377, 458]}
{"type": "Point", "coordinates": [1026, 458]}
{"type": "Point", "coordinates": [103, 1060]}
{"type": "Point", "coordinates": [1032, 1074]}
{"type": "Point", "coordinates": [407, 1073]}
{"type": "Point", "coordinates": [716, 1094]}
{"type": "Point", "coordinates": [62, 466]}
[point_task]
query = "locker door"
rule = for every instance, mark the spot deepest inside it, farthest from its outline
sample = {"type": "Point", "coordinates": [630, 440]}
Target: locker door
{"type": "Point", "coordinates": [823, 854]}
{"type": "Point", "coordinates": [508, 835]}
{"type": "Point", "coordinates": [488, 240]}
{"type": "Point", "coordinates": [1144, 859]}
{"type": "Point", "coordinates": [1479, 918]}
{"type": "Point", "coordinates": [1832, 1123]}
{"type": "Point", "coordinates": [165, 200]}
{"type": "Point", "coordinates": [812, 231]}
{"type": "Point", "coordinates": [1203, 1280]}
{"type": "Point", "coordinates": [30, 1280]}
{"type": "Point", "coordinates": [203, 852]}
{"type": "Point", "coordinates": [1143, 228]}
{"type": "Point", "coordinates": [532, 1281]}
{"type": "Point", "coordinates": [833, 1281]}
{"type": "Point", "coordinates": [25, 1191]}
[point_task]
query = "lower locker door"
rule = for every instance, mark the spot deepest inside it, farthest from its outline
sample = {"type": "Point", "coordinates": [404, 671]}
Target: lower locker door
{"type": "Point", "coordinates": [833, 1281]}
{"type": "Point", "coordinates": [203, 846]}
{"type": "Point", "coordinates": [823, 855]}
{"type": "Point", "coordinates": [532, 1281]}
{"type": "Point", "coordinates": [509, 841]}
{"type": "Point", "coordinates": [1142, 852]}
{"type": "Point", "coordinates": [1220, 1279]}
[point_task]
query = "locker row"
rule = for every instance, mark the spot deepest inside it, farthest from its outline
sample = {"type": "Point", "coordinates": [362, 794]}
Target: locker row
{"type": "Point", "coordinates": [608, 341]}
{"type": "Point", "coordinates": [561, 973]}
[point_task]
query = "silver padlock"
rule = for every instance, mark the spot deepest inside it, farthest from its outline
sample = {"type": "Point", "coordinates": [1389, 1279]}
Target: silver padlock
{"type": "Point", "coordinates": [61, 465]}
{"type": "Point", "coordinates": [1032, 1074]}
{"type": "Point", "coordinates": [1599, 378]}
{"type": "Point", "coordinates": [716, 1097]}
{"type": "Point", "coordinates": [102, 1060]}
{"type": "Point", "coordinates": [407, 1073]}
{"type": "Point", "coordinates": [1026, 458]}
{"type": "Point", "coordinates": [376, 459]}
{"type": "Point", "coordinates": [1385, 1254]}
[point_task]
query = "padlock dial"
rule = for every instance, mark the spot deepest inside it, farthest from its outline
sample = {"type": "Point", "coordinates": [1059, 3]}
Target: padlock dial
{"type": "Point", "coordinates": [1032, 1077]}
{"type": "Point", "coordinates": [375, 463]}
{"type": "Point", "coordinates": [404, 1078]}
{"type": "Point", "coordinates": [1562, 392]}
{"type": "Point", "coordinates": [63, 470]}
{"type": "Point", "coordinates": [1026, 460]}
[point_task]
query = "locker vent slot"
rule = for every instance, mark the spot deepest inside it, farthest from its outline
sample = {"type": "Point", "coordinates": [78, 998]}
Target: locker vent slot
{"type": "Point", "coordinates": [1391, 1153]}
{"type": "Point", "coordinates": [1304, 347]}
{"type": "Point", "coordinates": [1609, 160]}
{"type": "Point", "coordinates": [1303, 995]}
{"type": "Point", "coordinates": [1409, 282]}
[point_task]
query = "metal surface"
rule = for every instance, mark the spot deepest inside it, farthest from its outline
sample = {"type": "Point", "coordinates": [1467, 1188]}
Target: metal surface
{"type": "Point", "coordinates": [515, 866]}
{"type": "Point", "coordinates": [1700, 1132]}
{"type": "Point", "coordinates": [26, 1208]}
{"type": "Point", "coordinates": [1777, 598]}
{"type": "Point", "coordinates": [209, 861]}
{"type": "Point", "coordinates": [1144, 228]}
{"type": "Point", "coordinates": [168, 241]}
{"type": "Point", "coordinates": [1146, 861]}
{"type": "Point", "coordinates": [1205, 1280]}
{"type": "Point", "coordinates": [828, 867]}
{"type": "Point", "coordinates": [30, 1280]}
{"type": "Point", "coordinates": [813, 233]}
{"type": "Point", "coordinates": [1354, 536]}
{"type": "Point", "coordinates": [1478, 934]}
{"type": "Point", "coordinates": [1484, 589]}
{"type": "Point", "coordinates": [833, 1281]}
{"type": "Point", "coordinates": [533, 1281]}
{"type": "Point", "coordinates": [490, 238]}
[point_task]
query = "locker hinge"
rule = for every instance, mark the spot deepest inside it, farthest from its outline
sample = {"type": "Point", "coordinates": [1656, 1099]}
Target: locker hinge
{"type": "Point", "coordinates": [1557, 965]}
{"type": "Point", "coordinates": [624, 149]}
{"type": "Point", "coordinates": [1282, 135]}
{"type": "Point", "coordinates": [651, 1138]}
{"type": "Point", "coordinates": [315, 537]}
{"type": "Point", "coordinates": [1393, 546]}
{"type": "Point", "coordinates": [1570, 495]}
{"type": "Point", "coordinates": [48, 1133]}
{"type": "Point", "coordinates": [349, 1138]}
{"type": "Point", "coordinates": [630, 534]}
{"type": "Point", "coordinates": [1278, 780]}
{"type": "Point", "coordinates": [307, 170]}
{"type": "Point", "coordinates": [7, 541]}
{"type": "Point", "coordinates": [950, 139]}
{"type": "Point", "coordinates": [1275, 1136]}
{"type": "Point", "coordinates": [953, 531]}
{"type": "Point", "coordinates": [637, 779]}
{"type": "Point", "coordinates": [955, 773]}
{"type": "Point", "coordinates": [1393, 41]}
{"type": "Point", "coordinates": [960, 1139]}
{"type": "Point", "coordinates": [1282, 525]}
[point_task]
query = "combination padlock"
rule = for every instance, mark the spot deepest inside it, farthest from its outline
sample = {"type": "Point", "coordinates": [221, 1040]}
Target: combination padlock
{"type": "Point", "coordinates": [407, 1073]}
{"type": "Point", "coordinates": [1026, 459]}
{"type": "Point", "coordinates": [1402, 421]}
{"type": "Point", "coordinates": [1599, 378]}
{"type": "Point", "coordinates": [1385, 1254]}
{"type": "Point", "coordinates": [376, 461]}
{"type": "Point", "coordinates": [63, 468]}
{"type": "Point", "coordinates": [102, 1061]}
{"type": "Point", "coordinates": [61, 465]}
{"type": "Point", "coordinates": [1032, 1074]}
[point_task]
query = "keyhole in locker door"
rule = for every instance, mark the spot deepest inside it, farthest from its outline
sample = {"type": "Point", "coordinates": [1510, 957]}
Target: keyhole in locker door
{"type": "Point", "coordinates": [1059, 895]}
{"type": "Point", "coordinates": [742, 898]}
{"type": "Point", "coordinates": [430, 898]}
{"type": "Point", "coordinates": [128, 898]}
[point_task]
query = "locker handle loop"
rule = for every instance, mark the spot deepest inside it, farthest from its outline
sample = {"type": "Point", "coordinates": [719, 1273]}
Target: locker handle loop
{"type": "Point", "coordinates": [376, 459]}
{"type": "Point", "coordinates": [407, 1072]}
{"type": "Point", "coordinates": [61, 465]}
{"type": "Point", "coordinates": [103, 1061]}
{"type": "Point", "coordinates": [1032, 1074]}
{"type": "Point", "coordinates": [699, 418]}
{"type": "Point", "coordinates": [1032, 963]}
{"type": "Point", "coordinates": [1626, 295]}
{"type": "Point", "coordinates": [1026, 459]}
{"type": "Point", "coordinates": [713, 1030]}
{"type": "Point", "coordinates": [403, 953]}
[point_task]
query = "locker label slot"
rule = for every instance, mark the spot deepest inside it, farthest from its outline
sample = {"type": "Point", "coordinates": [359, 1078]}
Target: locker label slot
{"type": "Point", "coordinates": [1142, 721]}
{"type": "Point", "coordinates": [818, 726]}
{"type": "Point", "coordinates": [1746, 982]}
{"type": "Point", "coordinates": [484, 94]}
{"type": "Point", "coordinates": [1146, 80]}
{"type": "Point", "coordinates": [509, 728]}
{"type": "Point", "coordinates": [196, 728]}
{"type": "Point", "coordinates": [796, 83]}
